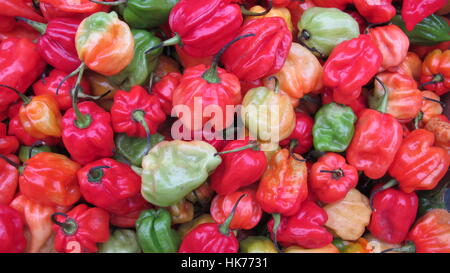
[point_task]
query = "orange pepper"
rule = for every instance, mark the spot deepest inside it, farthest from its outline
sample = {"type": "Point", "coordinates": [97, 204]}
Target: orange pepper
{"type": "Point", "coordinates": [41, 117]}
{"type": "Point", "coordinates": [411, 66]}
{"type": "Point", "coordinates": [274, 12]}
{"type": "Point", "coordinates": [300, 75]}
{"type": "Point", "coordinates": [430, 108]}
{"type": "Point", "coordinates": [431, 233]}
{"type": "Point", "coordinates": [326, 249]}
{"type": "Point", "coordinates": [440, 127]}
{"type": "Point", "coordinates": [436, 71]}
{"type": "Point", "coordinates": [404, 99]}
{"type": "Point", "coordinates": [360, 246]}
{"type": "Point", "coordinates": [188, 61]}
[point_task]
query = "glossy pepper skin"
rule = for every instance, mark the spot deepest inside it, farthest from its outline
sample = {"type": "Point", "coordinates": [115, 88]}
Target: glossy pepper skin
{"type": "Point", "coordinates": [418, 165]}
{"type": "Point", "coordinates": [148, 13]}
{"type": "Point", "coordinates": [404, 99]}
{"type": "Point", "coordinates": [248, 212]}
{"type": "Point", "coordinates": [257, 244]}
{"type": "Point", "coordinates": [133, 149]}
{"type": "Point", "coordinates": [351, 65]}
{"type": "Point", "coordinates": [204, 26]}
{"type": "Point", "coordinates": [301, 73]}
{"type": "Point", "coordinates": [12, 239]}
{"type": "Point", "coordinates": [125, 106]}
{"type": "Point", "coordinates": [104, 43]}
{"type": "Point", "coordinates": [15, 128]}
{"type": "Point", "coordinates": [80, 229]}
{"type": "Point", "coordinates": [154, 232]}
{"type": "Point", "coordinates": [238, 169]}
{"type": "Point", "coordinates": [302, 134]}
{"type": "Point", "coordinates": [142, 64]}
{"type": "Point", "coordinates": [333, 128]}
{"type": "Point", "coordinates": [281, 12]}
{"type": "Point", "coordinates": [261, 55]}
{"type": "Point", "coordinates": [305, 228]}
{"type": "Point", "coordinates": [283, 186]}
{"type": "Point", "coordinates": [82, 6]}
{"type": "Point", "coordinates": [172, 169]}
{"type": "Point", "coordinates": [375, 12]}
{"type": "Point", "coordinates": [331, 178]}
{"type": "Point", "coordinates": [393, 213]}
{"type": "Point", "coordinates": [50, 178]}
{"type": "Point", "coordinates": [57, 42]}
{"type": "Point", "coordinates": [436, 72]}
{"type": "Point", "coordinates": [9, 180]}
{"type": "Point", "coordinates": [20, 65]}
{"type": "Point", "coordinates": [431, 233]}
{"type": "Point", "coordinates": [121, 241]}
{"type": "Point", "coordinates": [88, 143]}
{"type": "Point", "coordinates": [440, 127]}
{"type": "Point", "coordinates": [8, 144]}
{"type": "Point", "coordinates": [339, 4]}
{"type": "Point", "coordinates": [430, 108]}
{"type": "Point", "coordinates": [207, 238]}
{"type": "Point", "coordinates": [111, 185]}
{"type": "Point", "coordinates": [322, 29]}
{"type": "Point", "coordinates": [415, 11]}
{"type": "Point", "coordinates": [19, 8]}
{"type": "Point", "coordinates": [49, 84]}
{"type": "Point", "coordinates": [164, 89]}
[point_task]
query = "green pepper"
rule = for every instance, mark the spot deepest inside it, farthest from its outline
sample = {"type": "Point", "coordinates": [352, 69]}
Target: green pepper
{"type": "Point", "coordinates": [142, 65]}
{"type": "Point", "coordinates": [25, 153]}
{"type": "Point", "coordinates": [321, 29]}
{"type": "Point", "coordinates": [147, 13]}
{"type": "Point", "coordinates": [257, 244]}
{"type": "Point", "coordinates": [333, 128]}
{"type": "Point", "coordinates": [121, 241]}
{"type": "Point", "coordinates": [431, 30]}
{"type": "Point", "coordinates": [172, 169]}
{"type": "Point", "coordinates": [339, 244]}
{"type": "Point", "coordinates": [433, 199]}
{"type": "Point", "coordinates": [132, 149]}
{"type": "Point", "coordinates": [154, 232]}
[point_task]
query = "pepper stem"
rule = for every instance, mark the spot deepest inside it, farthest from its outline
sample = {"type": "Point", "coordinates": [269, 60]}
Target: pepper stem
{"type": "Point", "coordinates": [391, 183]}
{"type": "Point", "coordinates": [436, 78]}
{"type": "Point", "coordinates": [247, 12]}
{"type": "Point", "coordinates": [76, 71]}
{"type": "Point", "coordinates": [210, 75]}
{"type": "Point", "coordinates": [82, 121]}
{"type": "Point", "coordinates": [436, 101]}
{"type": "Point", "coordinates": [410, 247]}
{"type": "Point", "coordinates": [37, 144]}
{"type": "Point", "coordinates": [276, 89]}
{"type": "Point", "coordinates": [276, 224]}
{"type": "Point", "coordinates": [115, 3]}
{"type": "Point", "coordinates": [9, 161]}
{"type": "Point", "coordinates": [417, 119]}
{"type": "Point", "coordinates": [95, 174]}
{"type": "Point", "coordinates": [293, 143]}
{"type": "Point", "coordinates": [383, 106]}
{"type": "Point", "coordinates": [138, 116]}
{"type": "Point", "coordinates": [224, 228]}
{"type": "Point", "coordinates": [305, 36]}
{"type": "Point", "coordinates": [175, 40]}
{"type": "Point", "coordinates": [336, 173]}
{"type": "Point", "coordinates": [24, 98]}
{"type": "Point", "coordinates": [40, 27]}
{"type": "Point", "coordinates": [69, 226]}
{"type": "Point", "coordinates": [252, 144]}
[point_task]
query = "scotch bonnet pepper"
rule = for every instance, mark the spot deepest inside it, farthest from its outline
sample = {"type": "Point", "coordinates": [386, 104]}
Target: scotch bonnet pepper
{"type": "Point", "coordinates": [9, 177]}
{"type": "Point", "coordinates": [302, 134]}
{"type": "Point", "coordinates": [121, 241]}
{"type": "Point", "coordinates": [12, 239]}
{"type": "Point", "coordinates": [132, 149]}
{"type": "Point", "coordinates": [415, 11]}
{"type": "Point", "coordinates": [436, 72]}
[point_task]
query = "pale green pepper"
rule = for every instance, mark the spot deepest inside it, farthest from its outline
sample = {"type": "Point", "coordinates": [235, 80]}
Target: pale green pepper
{"type": "Point", "coordinates": [121, 241]}
{"type": "Point", "coordinates": [257, 244]}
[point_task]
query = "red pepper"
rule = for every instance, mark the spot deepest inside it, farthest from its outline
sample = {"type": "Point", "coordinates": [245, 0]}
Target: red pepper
{"type": "Point", "coordinates": [20, 65]}
{"type": "Point", "coordinates": [16, 129]}
{"type": "Point", "coordinates": [375, 12]}
{"type": "Point", "coordinates": [211, 237]}
{"type": "Point", "coordinates": [262, 55]}
{"type": "Point", "coordinates": [80, 229]}
{"type": "Point", "coordinates": [204, 26]}
{"type": "Point", "coordinates": [7, 23]}
{"type": "Point", "coordinates": [351, 65]}
{"type": "Point", "coordinates": [305, 228]}
{"type": "Point", "coordinates": [9, 180]}
{"type": "Point", "coordinates": [296, 9]}
{"type": "Point", "coordinates": [339, 4]}
{"type": "Point", "coordinates": [357, 105]}
{"type": "Point", "coordinates": [57, 42]}
{"type": "Point", "coordinates": [418, 165]}
{"type": "Point", "coordinates": [111, 185]}
{"type": "Point", "coordinates": [19, 30]}
{"type": "Point", "coordinates": [359, 19]}
{"type": "Point", "coordinates": [238, 169]}
{"type": "Point", "coordinates": [206, 136]}
{"type": "Point", "coordinates": [332, 178]}
{"type": "Point", "coordinates": [164, 90]}
{"type": "Point", "coordinates": [248, 212]}
{"type": "Point", "coordinates": [393, 213]}
{"type": "Point", "coordinates": [8, 144]}
{"type": "Point", "coordinates": [302, 134]}
{"type": "Point", "coordinates": [136, 113]}
{"type": "Point", "coordinates": [50, 12]}
{"type": "Point", "coordinates": [129, 220]}
{"type": "Point", "coordinates": [414, 11]}
{"type": "Point", "coordinates": [79, 6]}
{"type": "Point", "coordinates": [12, 238]}
{"type": "Point", "coordinates": [49, 85]}
{"type": "Point", "coordinates": [87, 132]}
{"type": "Point", "coordinates": [377, 138]}
{"type": "Point", "coordinates": [19, 8]}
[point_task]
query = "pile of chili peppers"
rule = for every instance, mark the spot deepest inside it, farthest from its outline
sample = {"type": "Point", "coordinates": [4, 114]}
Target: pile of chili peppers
{"type": "Point", "coordinates": [94, 95]}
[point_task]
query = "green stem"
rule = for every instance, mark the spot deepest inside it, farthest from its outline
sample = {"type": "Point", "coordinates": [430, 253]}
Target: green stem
{"type": "Point", "coordinates": [82, 121]}
{"type": "Point", "coordinates": [391, 183]}
{"type": "Point", "coordinates": [26, 100]}
{"type": "Point", "coordinates": [37, 144]}
{"type": "Point", "coordinates": [115, 3]}
{"type": "Point", "coordinates": [76, 71]}
{"type": "Point", "coordinates": [69, 226]}
{"type": "Point", "coordinates": [253, 144]}
{"type": "Point", "coordinates": [40, 27]}
{"type": "Point", "coordinates": [337, 174]}
{"type": "Point", "coordinates": [211, 75]}
{"type": "Point", "coordinates": [224, 228]}
{"type": "Point", "coordinates": [246, 12]}
{"type": "Point", "coordinates": [138, 116]}
{"type": "Point", "coordinates": [417, 119]}
{"type": "Point", "coordinates": [293, 143]}
{"type": "Point", "coordinates": [410, 247]}
{"type": "Point", "coordinates": [95, 174]}
{"type": "Point", "coordinates": [436, 79]}
{"type": "Point", "coordinates": [276, 224]}
{"type": "Point", "coordinates": [175, 40]}
{"type": "Point", "coordinates": [384, 102]}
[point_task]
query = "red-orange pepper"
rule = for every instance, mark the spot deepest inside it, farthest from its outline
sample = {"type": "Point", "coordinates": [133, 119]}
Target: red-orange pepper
{"type": "Point", "coordinates": [436, 71]}
{"type": "Point", "coordinates": [9, 180]}
{"type": "Point", "coordinates": [80, 6]}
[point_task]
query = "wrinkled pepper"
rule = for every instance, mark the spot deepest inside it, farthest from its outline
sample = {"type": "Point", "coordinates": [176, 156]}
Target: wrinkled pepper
{"type": "Point", "coordinates": [121, 241]}
{"type": "Point", "coordinates": [375, 12]}
{"type": "Point", "coordinates": [132, 149]}
{"type": "Point", "coordinates": [302, 134]}
{"type": "Point", "coordinates": [436, 72]}
{"type": "Point", "coordinates": [12, 239]}
{"type": "Point", "coordinates": [415, 11]}
{"type": "Point", "coordinates": [9, 180]}
{"type": "Point", "coordinates": [432, 30]}
{"type": "Point", "coordinates": [440, 127]}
